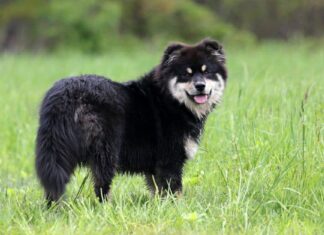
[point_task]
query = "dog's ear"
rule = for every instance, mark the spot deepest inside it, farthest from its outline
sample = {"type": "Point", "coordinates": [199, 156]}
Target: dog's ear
{"type": "Point", "coordinates": [172, 52]}
{"type": "Point", "coordinates": [215, 49]}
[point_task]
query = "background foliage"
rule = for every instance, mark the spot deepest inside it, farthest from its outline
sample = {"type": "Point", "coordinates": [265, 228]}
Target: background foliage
{"type": "Point", "coordinates": [272, 18]}
{"type": "Point", "coordinates": [98, 25]}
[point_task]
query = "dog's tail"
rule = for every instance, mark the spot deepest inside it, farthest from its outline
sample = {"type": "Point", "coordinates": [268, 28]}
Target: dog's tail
{"type": "Point", "coordinates": [57, 145]}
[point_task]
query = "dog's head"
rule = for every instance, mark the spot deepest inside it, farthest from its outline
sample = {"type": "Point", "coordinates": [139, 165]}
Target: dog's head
{"type": "Point", "coordinates": [195, 75]}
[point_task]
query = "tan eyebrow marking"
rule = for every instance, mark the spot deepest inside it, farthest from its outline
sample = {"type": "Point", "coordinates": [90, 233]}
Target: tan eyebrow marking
{"type": "Point", "coordinates": [189, 70]}
{"type": "Point", "coordinates": [203, 68]}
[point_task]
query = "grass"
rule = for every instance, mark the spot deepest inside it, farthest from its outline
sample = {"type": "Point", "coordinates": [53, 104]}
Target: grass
{"type": "Point", "coordinates": [260, 167]}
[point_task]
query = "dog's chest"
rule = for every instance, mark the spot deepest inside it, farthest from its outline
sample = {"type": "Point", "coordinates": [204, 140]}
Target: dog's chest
{"type": "Point", "coordinates": [191, 147]}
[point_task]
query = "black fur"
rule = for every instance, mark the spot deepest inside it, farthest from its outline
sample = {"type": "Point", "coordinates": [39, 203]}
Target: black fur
{"type": "Point", "coordinates": [112, 127]}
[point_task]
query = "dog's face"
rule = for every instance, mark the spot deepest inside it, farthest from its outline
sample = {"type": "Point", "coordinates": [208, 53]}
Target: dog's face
{"type": "Point", "coordinates": [196, 75]}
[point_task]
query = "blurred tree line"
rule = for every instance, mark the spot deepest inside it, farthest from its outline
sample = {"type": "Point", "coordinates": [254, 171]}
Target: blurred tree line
{"type": "Point", "coordinates": [98, 25]}
{"type": "Point", "coordinates": [272, 18]}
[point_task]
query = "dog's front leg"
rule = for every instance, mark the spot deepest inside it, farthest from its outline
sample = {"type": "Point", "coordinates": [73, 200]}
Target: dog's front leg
{"type": "Point", "coordinates": [165, 180]}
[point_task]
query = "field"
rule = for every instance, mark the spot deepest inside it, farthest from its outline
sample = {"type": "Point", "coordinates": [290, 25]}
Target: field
{"type": "Point", "coordinates": [260, 167]}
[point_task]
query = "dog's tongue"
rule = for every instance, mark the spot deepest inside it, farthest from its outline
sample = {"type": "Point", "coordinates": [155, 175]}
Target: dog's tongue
{"type": "Point", "coordinates": [200, 99]}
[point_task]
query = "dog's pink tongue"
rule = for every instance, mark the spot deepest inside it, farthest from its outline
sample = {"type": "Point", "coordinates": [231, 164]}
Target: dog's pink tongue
{"type": "Point", "coordinates": [200, 99]}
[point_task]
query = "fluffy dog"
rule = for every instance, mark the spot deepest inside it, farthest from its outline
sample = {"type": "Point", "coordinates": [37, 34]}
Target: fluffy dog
{"type": "Point", "coordinates": [149, 126]}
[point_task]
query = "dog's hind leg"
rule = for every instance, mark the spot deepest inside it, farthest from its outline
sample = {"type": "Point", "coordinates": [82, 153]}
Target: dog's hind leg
{"type": "Point", "coordinates": [103, 171]}
{"type": "Point", "coordinates": [103, 167]}
{"type": "Point", "coordinates": [102, 139]}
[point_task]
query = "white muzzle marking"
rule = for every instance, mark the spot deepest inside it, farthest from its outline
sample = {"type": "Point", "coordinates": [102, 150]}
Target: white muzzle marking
{"type": "Point", "coordinates": [214, 88]}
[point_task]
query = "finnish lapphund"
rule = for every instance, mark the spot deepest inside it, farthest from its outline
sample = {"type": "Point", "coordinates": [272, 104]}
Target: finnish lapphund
{"type": "Point", "coordinates": [150, 126]}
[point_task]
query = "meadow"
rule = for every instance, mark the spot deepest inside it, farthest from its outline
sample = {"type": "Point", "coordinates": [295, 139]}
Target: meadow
{"type": "Point", "coordinates": [259, 169]}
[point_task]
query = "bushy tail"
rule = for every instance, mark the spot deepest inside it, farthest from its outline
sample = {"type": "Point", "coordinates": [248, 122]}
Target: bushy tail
{"type": "Point", "coordinates": [57, 150]}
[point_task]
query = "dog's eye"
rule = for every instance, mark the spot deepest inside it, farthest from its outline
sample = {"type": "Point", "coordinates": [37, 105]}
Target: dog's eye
{"type": "Point", "coordinates": [204, 69]}
{"type": "Point", "coordinates": [189, 71]}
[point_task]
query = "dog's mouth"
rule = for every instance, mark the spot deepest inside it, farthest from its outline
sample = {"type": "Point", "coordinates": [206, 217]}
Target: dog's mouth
{"type": "Point", "coordinates": [199, 98]}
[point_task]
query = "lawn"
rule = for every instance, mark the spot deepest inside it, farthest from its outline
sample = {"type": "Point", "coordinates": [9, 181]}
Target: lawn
{"type": "Point", "coordinates": [260, 167]}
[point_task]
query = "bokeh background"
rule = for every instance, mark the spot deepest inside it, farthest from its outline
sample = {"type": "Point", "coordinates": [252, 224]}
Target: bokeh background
{"type": "Point", "coordinates": [96, 26]}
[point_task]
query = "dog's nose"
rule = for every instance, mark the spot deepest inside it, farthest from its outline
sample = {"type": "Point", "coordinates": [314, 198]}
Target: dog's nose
{"type": "Point", "coordinates": [200, 86]}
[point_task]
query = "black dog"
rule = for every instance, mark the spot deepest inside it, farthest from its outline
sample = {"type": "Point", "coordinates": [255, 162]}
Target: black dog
{"type": "Point", "coordinates": [150, 126]}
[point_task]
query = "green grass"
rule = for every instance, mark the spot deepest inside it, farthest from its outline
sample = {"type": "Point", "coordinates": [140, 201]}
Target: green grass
{"type": "Point", "coordinates": [260, 168]}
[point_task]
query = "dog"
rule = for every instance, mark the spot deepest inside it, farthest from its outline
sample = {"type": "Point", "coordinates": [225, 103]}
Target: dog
{"type": "Point", "coordinates": [149, 126]}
